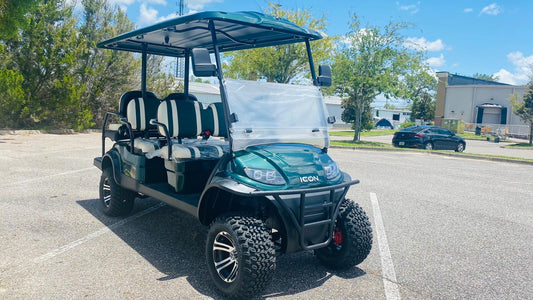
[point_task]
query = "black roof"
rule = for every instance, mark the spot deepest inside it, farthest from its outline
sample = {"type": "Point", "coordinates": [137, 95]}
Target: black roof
{"type": "Point", "coordinates": [455, 79]}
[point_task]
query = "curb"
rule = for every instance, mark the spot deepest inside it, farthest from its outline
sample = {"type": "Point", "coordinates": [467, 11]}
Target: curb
{"type": "Point", "coordinates": [51, 131]}
{"type": "Point", "coordinates": [468, 156]}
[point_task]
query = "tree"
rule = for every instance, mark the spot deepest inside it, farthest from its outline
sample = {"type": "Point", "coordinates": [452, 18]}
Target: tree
{"type": "Point", "coordinates": [13, 16]}
{"type": "Point", "coordinates": [107, 74]}
{"type": "Point", "coordinates": [283, 63]}
{"type": "Point", "coordinates": [524, 109]}
{"type": "Point", "coordinates": [485, 77]}
{"type": "Point", "coordinates": [45, 55]}
{"type": "Point", "coordinates": [373, 61]}
{"type": "Point", "coordinates": [423, 108]}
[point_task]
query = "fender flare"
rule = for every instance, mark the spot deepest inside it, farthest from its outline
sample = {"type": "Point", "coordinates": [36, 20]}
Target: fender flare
{"type": "Point", "coordinates": [112, 159]}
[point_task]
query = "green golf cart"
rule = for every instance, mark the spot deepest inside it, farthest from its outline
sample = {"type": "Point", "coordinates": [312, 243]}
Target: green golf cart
{"type": "Point", "coordinates": [253, 166]}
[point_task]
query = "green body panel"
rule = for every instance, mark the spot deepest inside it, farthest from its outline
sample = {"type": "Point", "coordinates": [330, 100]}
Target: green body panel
{"type": "Point", "coordinates": [292, 161]}
{"type": "Point", "coordinates": [133, 165]}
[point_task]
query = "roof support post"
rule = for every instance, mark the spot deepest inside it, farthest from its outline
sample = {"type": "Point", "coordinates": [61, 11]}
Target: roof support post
{"type": "Point", "coordinates": [143, 69]}
{"type": "Point", "coordinates": [223, 94]}
{"type": "Point", "coordinates": [311, 64]}
{"type": "Point", "coordinates": [186, 74]}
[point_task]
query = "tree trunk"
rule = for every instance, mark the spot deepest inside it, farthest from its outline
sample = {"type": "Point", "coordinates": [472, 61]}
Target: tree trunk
{"type": "Point", "coordinates": [357, 125]}
{"type": "Point", "coordinates": [531, 134]}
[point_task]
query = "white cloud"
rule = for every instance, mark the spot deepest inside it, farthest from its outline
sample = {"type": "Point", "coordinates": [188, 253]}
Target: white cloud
{"type": "Point", "coordinates": [147, 15]}
{"type": "Point", "coordinates": [424, 45]}
{"type": "Point", "coordinates": [493, 10]}
{"type": "Point", "coordinates": [436, 61]}
{"type": "Point", "coordinates": [120, 2]}
{"type": "Point", "coordinates": [468, 10]}
{"type": "Point", "coordinates": [161, 2]}
{"type": "Point", "coordinates": [200, 4]}
{"type": "Point", "coordinates": [412, 8]}
{"type": "Point", "coordinates": [523, 69]}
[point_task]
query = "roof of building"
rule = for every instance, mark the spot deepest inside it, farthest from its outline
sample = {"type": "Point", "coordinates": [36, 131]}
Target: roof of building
{"type": "Point", "coordinates": [455, 79]}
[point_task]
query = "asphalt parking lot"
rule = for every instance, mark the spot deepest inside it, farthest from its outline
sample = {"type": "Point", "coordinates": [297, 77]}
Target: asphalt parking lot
{"type": "Point", "coordinates": [444, 228]}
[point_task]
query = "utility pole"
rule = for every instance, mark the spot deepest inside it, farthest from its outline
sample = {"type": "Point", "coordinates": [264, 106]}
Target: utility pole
{"type": "Point", "coordinates": [180, 62]}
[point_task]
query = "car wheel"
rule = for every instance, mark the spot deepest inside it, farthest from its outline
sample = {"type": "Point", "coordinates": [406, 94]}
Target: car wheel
{"type": "Point", "coordinates": [428, 146]}
{"type": "Point", "coordinates": [115, 200]}
{"type": "Point", "coordinates": [460, 147]}
{"type": "Point", "coordinates": [352, 238]}
{"type": "Point", "coordinates": [240, 255]}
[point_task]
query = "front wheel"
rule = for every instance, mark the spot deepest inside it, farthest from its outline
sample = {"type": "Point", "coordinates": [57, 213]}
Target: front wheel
{"type": "Point", "coordinates": [352, 238]}
{"type": "Point", "coordinates": [115, 200]}
{"type": "Point", "coordinates": [460, 147]}
{"type": "Point", "coordinates": [240, 255]}
{"type": "Point", "coordinates": [428, 146]}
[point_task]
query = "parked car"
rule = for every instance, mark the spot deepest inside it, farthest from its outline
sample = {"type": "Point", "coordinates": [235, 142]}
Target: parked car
{"type": "Point", "coordinates": [428, 137]}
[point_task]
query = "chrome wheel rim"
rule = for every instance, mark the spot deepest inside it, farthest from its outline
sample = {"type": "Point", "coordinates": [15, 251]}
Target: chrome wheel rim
{"type": "Point", "coordinates": [225, 257]}
{"type": "Point", "coordinates": [429, 146]}
{"type": "Point", "coordinates": [460, 148]}
{"type": "Point", "coordinates": [106, 189]}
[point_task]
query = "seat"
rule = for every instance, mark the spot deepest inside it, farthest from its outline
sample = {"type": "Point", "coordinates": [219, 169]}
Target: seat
{"type": "Point", "coordinates": [213, 120]}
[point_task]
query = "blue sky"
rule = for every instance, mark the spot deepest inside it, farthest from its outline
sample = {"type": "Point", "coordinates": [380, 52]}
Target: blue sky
{"type": "Point", "coordinates": [465, 37]}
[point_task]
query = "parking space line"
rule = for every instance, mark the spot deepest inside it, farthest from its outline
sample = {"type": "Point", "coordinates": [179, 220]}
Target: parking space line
{"type": "Point", "coordinates": [78, 242]}
{"type": "Point", "coordinates": [47, 177]}
{"type": "Point", "coordinates": [392, 291]}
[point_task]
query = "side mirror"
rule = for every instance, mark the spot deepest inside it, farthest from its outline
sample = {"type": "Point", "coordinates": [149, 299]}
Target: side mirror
{"type": "Point", "coordinates": [331, 120]}
{"type": "Point", "coordinates": [201, 63]}
{"type": "Point", "coordinates": [324, 75]}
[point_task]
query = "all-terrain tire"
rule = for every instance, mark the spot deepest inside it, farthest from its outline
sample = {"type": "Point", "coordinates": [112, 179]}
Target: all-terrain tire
{"type": "Point", "coordinates": [242, 249]}
{"type": "Point", "coordinates": [352, 238]}
{"type": "Point", "coordinates": [115, 200]}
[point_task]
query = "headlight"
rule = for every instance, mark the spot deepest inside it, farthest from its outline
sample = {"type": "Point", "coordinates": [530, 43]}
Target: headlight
{"type": "Point", "coordinates": [267, 176]}
{"type": "Point", "coordinates": [332, 170]}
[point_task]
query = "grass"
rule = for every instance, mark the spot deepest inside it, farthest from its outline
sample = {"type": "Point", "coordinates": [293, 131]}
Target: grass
{"type": "Point", "coordinates": [521, 146]}
{"type": "Point", "coordinates": [365, 144]}
{"type": "Point", "coordinates": [377, 145]}
{"type": "Point", "coordinates": [364, 133]}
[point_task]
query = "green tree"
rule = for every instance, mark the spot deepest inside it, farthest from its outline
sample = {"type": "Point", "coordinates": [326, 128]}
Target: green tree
{"type": "Point", "coordinates": [284, 63]}
{"type": "Point", "coordinates": [373, 61]}
{"type": "Point", "coordinates": [13, 98]}
{"type": "Point", "coordinates": [45, 55]}
{"type": "Point", "coordinates": [524, 109]}
{"type": "Point", "coordinates": [423, 107]}
{"type": "Point", "coordinates": [107, 74]}
{"type": "Point", "coordinates": [485, 77]}
{"type": "Point", "coordinates": [13, 16]}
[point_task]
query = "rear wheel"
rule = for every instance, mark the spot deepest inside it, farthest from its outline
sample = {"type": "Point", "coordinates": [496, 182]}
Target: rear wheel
{"type": "Point", "coordinates": [240, 255]}
{"type": "Point", "coordinates": [428, 146]}
{"type": "Point", "coordinates": [352, 238]}
{"type": "Point", "coordinates": [115, 200]}
{"type": "Point", "coordinates": [460, 147]}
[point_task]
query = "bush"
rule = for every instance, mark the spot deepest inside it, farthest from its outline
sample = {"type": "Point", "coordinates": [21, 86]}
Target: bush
{"type": "Point", "coordinates": [407, 124]}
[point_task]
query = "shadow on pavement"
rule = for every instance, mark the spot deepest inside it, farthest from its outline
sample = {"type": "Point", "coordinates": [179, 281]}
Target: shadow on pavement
{"type": "Point", "coordinates": [174, 243]}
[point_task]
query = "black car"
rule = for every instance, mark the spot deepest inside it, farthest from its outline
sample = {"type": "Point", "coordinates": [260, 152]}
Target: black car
{"type": "Point", "coordinates": [428, 137]}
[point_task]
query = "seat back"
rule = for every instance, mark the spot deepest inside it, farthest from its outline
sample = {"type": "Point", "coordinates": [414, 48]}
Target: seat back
{"type": "Point", "coordinates": [139, 111]}
{"type": "Point", "coordinates": [180, 96]}
{"type": "Point", "coordinates": [181, 117]}
{"type": "Point", "coordinates": [213, 120]}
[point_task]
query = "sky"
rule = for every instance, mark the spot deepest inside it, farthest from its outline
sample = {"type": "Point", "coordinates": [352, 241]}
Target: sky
{"type": "Point", "coordinates": [460, 37]}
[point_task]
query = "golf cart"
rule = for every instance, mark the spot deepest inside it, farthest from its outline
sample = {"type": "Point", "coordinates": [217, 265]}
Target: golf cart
{"type": "Point", "coordinates": [253, 166]}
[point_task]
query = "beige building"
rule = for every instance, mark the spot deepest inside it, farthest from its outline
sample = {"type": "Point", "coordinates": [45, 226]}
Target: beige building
{"type": "Point", "coordinates": [479, 102]}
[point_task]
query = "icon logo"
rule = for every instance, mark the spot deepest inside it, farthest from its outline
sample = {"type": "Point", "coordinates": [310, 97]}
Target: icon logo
{"type": "Point", "coordinates": [307, 179]}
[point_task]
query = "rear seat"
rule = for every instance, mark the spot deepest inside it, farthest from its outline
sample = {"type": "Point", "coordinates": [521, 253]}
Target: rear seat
{"type": "Point", "coordinates": [139, 112]}
{"type": "Point", "coordinates": [185, 121]}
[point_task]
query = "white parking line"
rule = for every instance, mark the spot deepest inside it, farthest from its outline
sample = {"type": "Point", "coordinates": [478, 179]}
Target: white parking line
{"type": "Point", "coordinates": [47, 177]}
{"type": "Point", "coordinates": [77, 242]}
{"type": "Point", "coordinates": [392, 291]}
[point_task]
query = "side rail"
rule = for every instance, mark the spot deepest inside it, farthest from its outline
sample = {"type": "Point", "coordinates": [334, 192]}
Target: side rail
{"type": "Point", "coordinates": [122, 120]}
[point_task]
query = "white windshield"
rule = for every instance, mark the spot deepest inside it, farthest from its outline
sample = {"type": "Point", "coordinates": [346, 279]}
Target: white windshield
{"type": "Point", "coordinates": [276, 113]}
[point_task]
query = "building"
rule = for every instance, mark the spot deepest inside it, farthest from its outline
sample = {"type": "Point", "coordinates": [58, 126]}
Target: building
{"type": "Point", "coordinates": [479, 103]}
